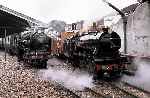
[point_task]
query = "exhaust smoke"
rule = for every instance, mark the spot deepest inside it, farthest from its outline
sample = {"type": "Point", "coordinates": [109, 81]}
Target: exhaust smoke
{"type": "Point", "coordinates": [74, 80]}
{"type": "Point", "coordinates": [142, 75]}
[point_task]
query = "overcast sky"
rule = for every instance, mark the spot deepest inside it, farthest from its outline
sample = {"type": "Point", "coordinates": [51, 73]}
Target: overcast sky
{"type": "Point", "coordinates": [66, 10]}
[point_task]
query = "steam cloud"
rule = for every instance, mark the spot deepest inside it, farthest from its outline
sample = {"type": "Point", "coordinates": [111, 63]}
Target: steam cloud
{"type": "Point", "coordinates": [142, 75]}
{"type": "Point", "coordinates": [75, 80]}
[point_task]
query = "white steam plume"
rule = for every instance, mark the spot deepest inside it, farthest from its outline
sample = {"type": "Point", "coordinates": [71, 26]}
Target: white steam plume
{"type": "Point", "coordinates": [73, 80]}
{"type": "Point", "coordinates": [142, 75]}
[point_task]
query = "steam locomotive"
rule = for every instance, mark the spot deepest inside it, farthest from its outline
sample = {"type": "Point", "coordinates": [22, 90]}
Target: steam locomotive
{"type": "Point", "coordinates": [96, 52]}
{"type": "Point", "coordinates": [33, 49]}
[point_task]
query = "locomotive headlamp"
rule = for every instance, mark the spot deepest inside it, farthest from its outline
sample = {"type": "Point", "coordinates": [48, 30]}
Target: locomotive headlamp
{"type": "Point", "coordinates": [105, 29]}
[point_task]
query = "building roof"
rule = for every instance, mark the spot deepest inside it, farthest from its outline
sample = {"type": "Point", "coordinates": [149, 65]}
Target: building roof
{"type": "Point", "coordinates": [130, 9]}
{"type": "Point", "coordinates": [15, 22]}
{"type": "Point", "coordinates": [12, 24]}
{"type": "Point", "coordinates": [23, 16]}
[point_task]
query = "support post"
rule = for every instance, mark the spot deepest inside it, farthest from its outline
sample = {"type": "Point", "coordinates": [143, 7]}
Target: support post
{"type": "Point", "coordinates": [124, 18]}
{"type": "Point", "coordinates": [5, 43]}
{"type": "Point", "coordinates": [125, 33]}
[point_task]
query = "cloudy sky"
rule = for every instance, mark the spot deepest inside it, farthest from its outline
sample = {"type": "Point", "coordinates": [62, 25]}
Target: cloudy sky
{"type": "Point", "coordinates": [66, 10]}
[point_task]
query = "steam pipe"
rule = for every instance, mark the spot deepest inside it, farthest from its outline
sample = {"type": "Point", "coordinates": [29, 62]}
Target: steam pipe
{"type": "Point", "coordinates": [124, 18]}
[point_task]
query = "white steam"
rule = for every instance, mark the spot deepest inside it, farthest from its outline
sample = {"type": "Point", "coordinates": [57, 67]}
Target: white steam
{"type": "Point", "coordinates": [142, 75]}
{"type": "Point", "coordinates": [73, 80]}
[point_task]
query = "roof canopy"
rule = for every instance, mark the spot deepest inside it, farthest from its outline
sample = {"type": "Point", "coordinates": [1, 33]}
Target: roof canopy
{"type": "Point", "coordinates": [11, 23]}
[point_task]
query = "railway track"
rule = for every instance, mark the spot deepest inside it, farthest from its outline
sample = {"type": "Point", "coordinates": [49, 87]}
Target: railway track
{"type": "Point", "coordinates": [105, 89]}
{"type": "Point", "coordinates": [65, 91]}
{"type": "Point", "coordinates": [136, 91]}
{"type": "Point", "coordinates": [110, 90]}
{"type": "Point", "coordinates": [141, 89]}
{"type": "Point", "coordinates": [89, 93]}
{"type": "Point", "coordinates": [101, 90]}
{"type": "Point", "coordinates": [71, 93]}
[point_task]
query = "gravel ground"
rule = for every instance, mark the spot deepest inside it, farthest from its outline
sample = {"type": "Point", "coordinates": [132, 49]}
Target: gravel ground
{"type": "Point", "coordinates": [19, 81]}
{"type": "Point", "coordinates": [132, 90]}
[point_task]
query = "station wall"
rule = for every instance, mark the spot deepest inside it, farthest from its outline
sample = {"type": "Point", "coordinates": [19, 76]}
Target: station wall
{"type": "Point", "coordinates": [138, 31]}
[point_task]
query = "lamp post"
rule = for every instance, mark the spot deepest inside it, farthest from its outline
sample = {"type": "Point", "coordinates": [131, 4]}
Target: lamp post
{"type": "Point", "coordinates": [124, 18]}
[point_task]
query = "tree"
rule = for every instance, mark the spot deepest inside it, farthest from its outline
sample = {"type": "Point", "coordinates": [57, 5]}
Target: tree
{"type": "Point", "coordinates": [57, 25]}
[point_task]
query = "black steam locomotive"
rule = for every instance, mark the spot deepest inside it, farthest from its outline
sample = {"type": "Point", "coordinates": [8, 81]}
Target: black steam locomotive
{"type": "Point", "coordinates": [33, 49]}
{"type": "Point", "coordinates": [96, 52]}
